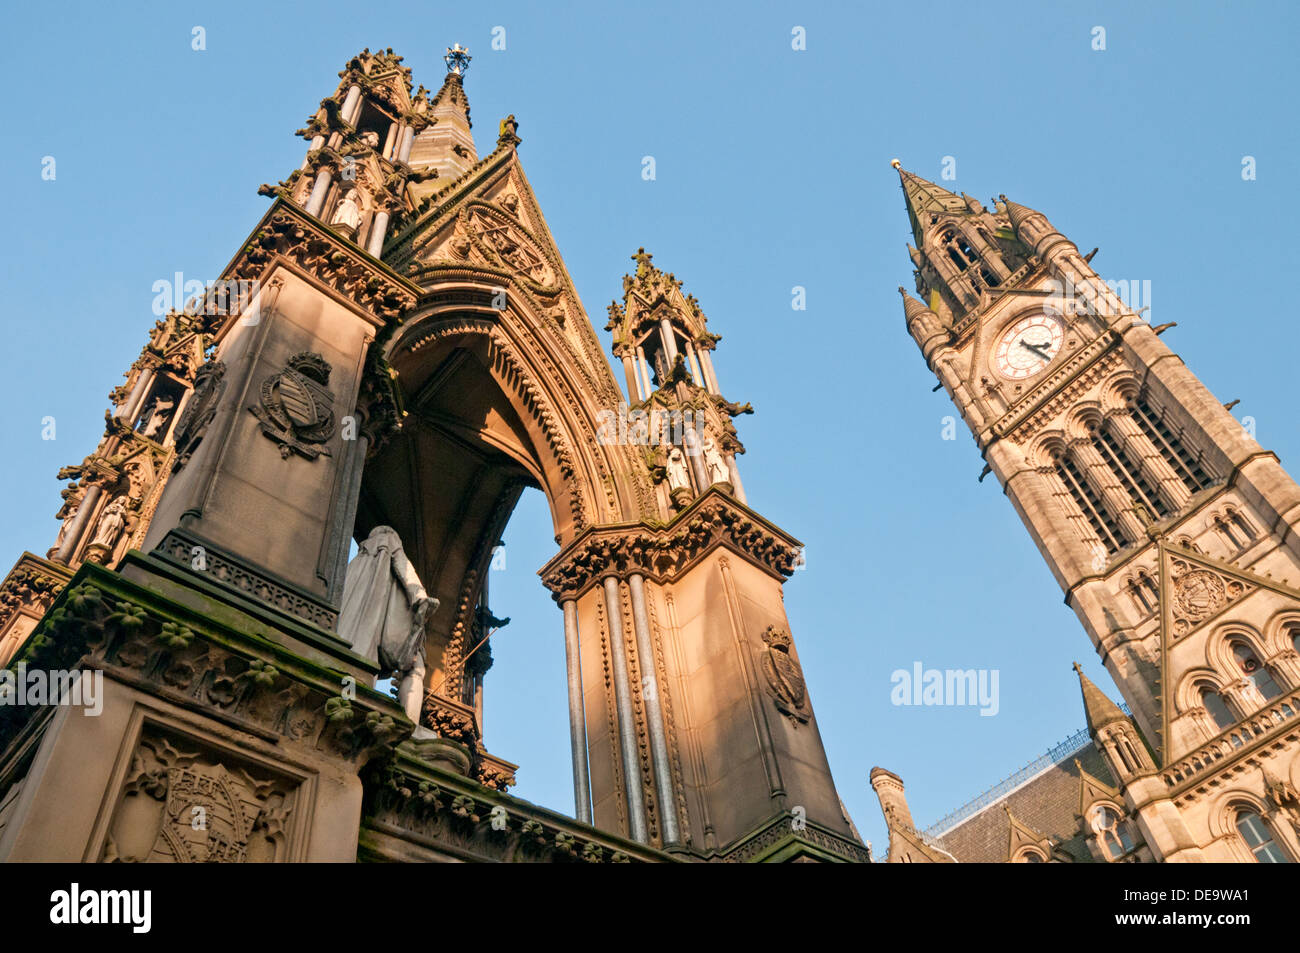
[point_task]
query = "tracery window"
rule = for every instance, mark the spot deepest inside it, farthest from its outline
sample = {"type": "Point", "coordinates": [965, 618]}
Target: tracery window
{"type": "Point", "coordinates": [1103, 522]}
{"type": "Point", "coordinates": [1112, 831]}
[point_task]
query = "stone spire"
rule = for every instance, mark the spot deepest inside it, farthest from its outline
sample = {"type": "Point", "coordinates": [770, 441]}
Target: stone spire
{"type": "Point", "coordinates": [923, 198]}
{"type": "Point", "coordinates": [1097, 706]}
{"type": "Point", "coordinates": [447, 146]}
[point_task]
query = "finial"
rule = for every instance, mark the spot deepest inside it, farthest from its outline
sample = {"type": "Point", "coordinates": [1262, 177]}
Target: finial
{"type": "Point", "coordinates": [1078, 668]}
{"type": "Point", "coordinates": [457, 59]}
{"type": "Point", "coordinates": [895, 163]}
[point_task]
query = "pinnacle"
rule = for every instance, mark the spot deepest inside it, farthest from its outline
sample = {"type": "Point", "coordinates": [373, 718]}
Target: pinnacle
{"type": "Point", "coordinates": [1097, 706]}
{"type": "Point", "coordinates": [1016, 212]}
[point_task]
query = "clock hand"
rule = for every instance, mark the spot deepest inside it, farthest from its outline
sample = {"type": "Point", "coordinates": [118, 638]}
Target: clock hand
{"type": "Point", "coordinates": [1036, 348]}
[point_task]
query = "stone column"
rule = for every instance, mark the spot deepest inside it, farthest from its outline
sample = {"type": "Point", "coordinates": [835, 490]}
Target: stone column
{"type": "Point", "coordinates": [627, 742]}
{"type": "Point", "coordinates": [577, 714]}
{"type": "Point", "coordinates": [736, 487]}
{"type": "Point", "coordinates": [408, 137]}
{"type": "Point", "coordinates": [378, 228]}
{"type": "Point", "coordinates": [351, 104]}
{"type": "Point", "coordinates": [669, 340]}
{"type": "Point", "coordinates": [653, 711]}
{"type": "Point", "coordinates": [694, 453]}
{"type": "Point", "coordinates": [710, 377]}
{"type": "Point", "coordinates": [389, 140]}
{"type": "Point", "coordinates": [633, 384]}
{"type": "Point", "coordinates": [320, 188]}
{"type": "Point", "coordinates": [131, 406]}
{"type": "Point", "coordinates": [78, 524]}
{"type": "Point", "coordinates": [694, 363]}
{"type": "Point", "coordinates": [645, 374]}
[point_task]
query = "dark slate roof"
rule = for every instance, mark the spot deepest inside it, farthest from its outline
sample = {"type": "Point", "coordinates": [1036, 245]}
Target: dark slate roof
{"type": "Point", "coordinates": [1048, 802]}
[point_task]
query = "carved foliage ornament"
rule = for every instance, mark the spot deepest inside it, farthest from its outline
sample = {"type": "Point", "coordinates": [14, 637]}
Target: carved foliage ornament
{"type": "Point", "coordinates": [784, 675]}
{"type": "Point", "coordinates": [296, 408]}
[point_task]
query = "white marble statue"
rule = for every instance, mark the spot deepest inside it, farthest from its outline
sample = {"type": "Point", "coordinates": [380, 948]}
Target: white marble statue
{"type": "Point", "coordinates": [347, 213]}
{"type": "Point", "coordinates": [383, 613]}
{"type": "Point", "coordinates": [111, 523]}
{"type": "Point", "coordinates": [714, 465]}
{"type": "Point", "coordinates": [678, 478]}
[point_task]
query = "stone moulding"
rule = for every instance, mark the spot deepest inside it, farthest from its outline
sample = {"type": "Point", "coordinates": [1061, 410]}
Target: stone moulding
{"type": "Point", "coordinates": [178, 547]}
{"type": "Point", "coordinates": [780, 841]}
{"type": "Point", "coordinates": [663, 553]}
{"type": "Point", "coordinates": [104, 622]}
{"type": "Point", "coordinates": [422, 805]}
{"type": "Point", "coordinates": [350, 274]}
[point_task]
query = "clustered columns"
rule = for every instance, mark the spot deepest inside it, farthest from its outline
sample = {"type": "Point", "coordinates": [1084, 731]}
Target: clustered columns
{"type": "Point", "coordinates": [629, 749]}
{"type": "Point", "coordinates": [636, 814]}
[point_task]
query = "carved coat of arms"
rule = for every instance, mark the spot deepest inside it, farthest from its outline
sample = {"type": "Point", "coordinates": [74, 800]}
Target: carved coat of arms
{"type": "Point", "coordinates": [784, 676]}
{"type": "Point", "coordinates": [296, 408]}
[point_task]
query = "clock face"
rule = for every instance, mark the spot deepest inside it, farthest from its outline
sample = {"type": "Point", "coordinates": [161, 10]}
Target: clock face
{"type": "Point", "coordinates": [1028, 346]}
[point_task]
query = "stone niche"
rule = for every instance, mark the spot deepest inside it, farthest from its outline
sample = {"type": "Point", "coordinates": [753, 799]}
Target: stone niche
{"type": "Point", "coordinates": [185, 799]}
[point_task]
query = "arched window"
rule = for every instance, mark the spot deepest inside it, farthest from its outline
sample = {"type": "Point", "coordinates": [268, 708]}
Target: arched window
{"type": "Point", "coordinates": [1295, 638]}
{"type": "Point", "coordinates": [1254, 670]}
{"type": "Point", "coordinates": [1218, 711]}
{"type": "Point", "coordinates": [1259, 839]}
{"type": "Point", "coordinates": [1112, 831]}
{"type": "Point", "coordinates": [1030, 856]}
{"type": "Point", "coordinates": [1171, 447]}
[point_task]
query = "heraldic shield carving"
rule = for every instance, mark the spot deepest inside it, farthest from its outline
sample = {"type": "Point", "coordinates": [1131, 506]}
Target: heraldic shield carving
{"type": "Point", "coordinates": [784, 676]}
{"type": "Point", "coordinates": [296, 408]}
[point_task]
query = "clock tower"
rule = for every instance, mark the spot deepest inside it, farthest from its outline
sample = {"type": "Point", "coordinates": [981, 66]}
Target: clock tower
{"type": "Point", "coordinates": [1171, 532]}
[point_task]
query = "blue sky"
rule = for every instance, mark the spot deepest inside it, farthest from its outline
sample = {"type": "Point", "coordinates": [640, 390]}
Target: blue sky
{"type": "Point", "coordinates": [772, 171]}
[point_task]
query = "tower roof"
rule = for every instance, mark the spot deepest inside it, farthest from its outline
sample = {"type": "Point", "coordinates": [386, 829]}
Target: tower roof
{"type": "Point", "coordinates": [1097, 706]}
{"type": "Point", "coordinates": [923, 197]}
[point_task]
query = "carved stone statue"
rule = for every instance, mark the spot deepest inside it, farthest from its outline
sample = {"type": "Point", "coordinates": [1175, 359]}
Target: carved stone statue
{"type": "Point", "coordinates": [63, 527]}
{"type": "Point", "coordinates": [714, 465]}
{"type": "Point", "coordinates": [383, 613]}
{"type": "Point", "coordinates": [678, 478]}
{"type": "Point", "coordinates": [347, 213]}
{"type": "Point", "coordinates": [111, 523]}
{"type": "Point", "coordinates": [159, 413]}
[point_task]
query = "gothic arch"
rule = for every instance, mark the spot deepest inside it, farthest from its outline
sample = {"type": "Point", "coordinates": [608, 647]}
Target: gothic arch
{"type": "Point", "coordinates": [1218, 647]}
{"type": "Point", "coordinates": [1187, 696]}
{"type": "Point", "coordinates": [1279, 630]}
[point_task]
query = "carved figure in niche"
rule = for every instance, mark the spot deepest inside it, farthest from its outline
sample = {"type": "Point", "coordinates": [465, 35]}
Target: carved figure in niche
{"type": "Point", "coordinates": [714, 465]}
{"type": "Point", "coordinates": [154, 419]}
{"type": "Point", "coordinates": [678, 478]}
{"type": "Point", "coordinates": [370, 138]}
{"type": "Point", "coordinates": [383, 613]}
{"type": "Point", "coordinates": [347, 213]}
{"type": "Point", "coordinates": [209, 383]}
{"type": "Point", "coordinates": [63, 528]}
{"type": "Point", "coordinates": [111, 523]}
